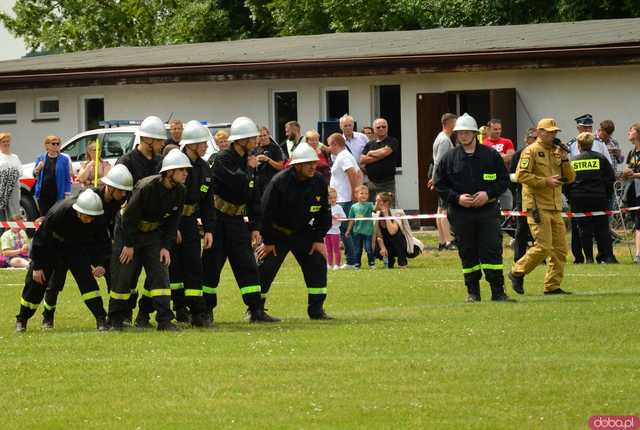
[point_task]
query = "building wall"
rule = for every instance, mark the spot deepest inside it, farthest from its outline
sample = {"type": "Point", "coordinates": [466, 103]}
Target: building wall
{"type": "Point", "coordinates": [605, 92]}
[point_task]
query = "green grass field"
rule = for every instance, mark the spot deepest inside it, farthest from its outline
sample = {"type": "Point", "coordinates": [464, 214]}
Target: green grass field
{"type": "Point", "coordinates": [404, 352]}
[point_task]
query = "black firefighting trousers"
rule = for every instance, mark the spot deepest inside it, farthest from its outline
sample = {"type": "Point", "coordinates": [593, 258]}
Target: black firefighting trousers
{"type": "Point", "coordinates": [314, 270]}
{"type": "Point", "coordinates": [185, 271]}
{"type": "Point", "coordinates": [232, 240]}
{"type": "Point", "coordinates": [73, 258]}
{"type": "Point", "coordinates": [477, 233]}
{"type": "Point", "coordinates": [146, 255]}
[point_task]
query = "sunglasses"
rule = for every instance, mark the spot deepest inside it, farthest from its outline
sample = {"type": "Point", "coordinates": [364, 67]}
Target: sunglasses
{"type": "Point", "coordinates": [54, 143]}
{"type": "Point", "coordinates": [381, 126]}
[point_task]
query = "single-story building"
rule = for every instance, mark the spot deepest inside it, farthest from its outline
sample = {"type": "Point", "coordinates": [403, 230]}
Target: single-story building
{"type": "Point", "coordinates": [517, 73]}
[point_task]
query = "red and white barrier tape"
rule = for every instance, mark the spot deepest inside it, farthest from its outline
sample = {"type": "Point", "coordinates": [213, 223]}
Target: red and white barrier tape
{"type": "Point", "coordinates": [504, 213]}
{"type": "Point", "coordinates": [27, 225]}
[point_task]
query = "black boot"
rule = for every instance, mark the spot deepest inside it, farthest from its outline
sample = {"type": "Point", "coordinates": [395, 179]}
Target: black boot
{"type": "Point", "coordinates": [47, 321]}
{"type": "Point", "coordinates": [167, 326]}
{"type": "Point", "coordinates": [473, 293]}
{"type": "Point", "coordinates": [142, 321]}
{"type": "Point", "coordinates": [21, 326]}
{"type": "Point", "coordinates": [101, 324]}
{"type": "Point", "coordinates": [201, 321]}
{"type": "Point", "coordinates": [183, 316]}
{"type": "Point", "coordinates": [498, 294]}
{"type": "Point", "coordinates": [517, 283]}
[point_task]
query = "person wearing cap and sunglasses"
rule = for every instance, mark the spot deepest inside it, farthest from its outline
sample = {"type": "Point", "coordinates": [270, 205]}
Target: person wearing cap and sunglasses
{"type": "Point", "coordinates": [296, 217]}
{"type": "Point", "coordinates": [71, 237]}
{"type": "Point", "coordinates": [143, 236]}
{"type": "Point", "coordinates": [470, 178]}
{"type": "Point", "coordinates": [185, 271]}
{"type": "Point", "coordinates": [542, 170]}
{"type": "Point", "coordinates": [234, 197]}
{"type": "Point", "coordinates": [53, 175]}
{"type": "Point", "coordinates": [113, 192]}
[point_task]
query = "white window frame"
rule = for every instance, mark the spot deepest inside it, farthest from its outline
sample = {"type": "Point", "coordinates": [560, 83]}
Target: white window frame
{"type": "Point", "coordinates": [274, 125]}
{"type": "Point", "coordinates": [325, 108]}
{"type": "Point", "coordinates": [11, 116]}
{"type": "Point", "coordinates": [47, 115]}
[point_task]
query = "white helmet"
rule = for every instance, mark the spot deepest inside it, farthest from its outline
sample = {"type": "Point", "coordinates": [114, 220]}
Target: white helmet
{"type": "Point", "coordinates": [243, 128]}
{"type": "Point", "coordinates": [466, 122]}
{"type": "Point", "coordinates": [152, 127]}
{"type": "Point", "coordinates": [303, 154]}
{"type": "Point", "coordinates": [89, 203]}
{"type": "Point", "coordinates": [194, 132]}
{"type": "Point", "coordinates": [175, 159]}
{"type": "Point", "coordinates": [119, 177]}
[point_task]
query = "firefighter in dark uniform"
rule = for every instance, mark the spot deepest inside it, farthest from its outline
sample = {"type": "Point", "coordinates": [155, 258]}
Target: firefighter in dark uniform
{"type": "Point", "coordinates": [142, 161]}
{"type": "Point", "coordinates": [185, 272]}
{"type": "Point", "coordinates": [68, 239]}
{"type": "Point", "coordinates": [113, 192]}
{"type": "Point", "coordinates": [143, 236]}
{"type": "Point", "coordinates": [235, 197]}
{"type": "Point", "coordinates": [592, 191]}
{"type": "Point", "coordinates": [295, 217]}
{"type": "Point", "coordinates": [470, 178]}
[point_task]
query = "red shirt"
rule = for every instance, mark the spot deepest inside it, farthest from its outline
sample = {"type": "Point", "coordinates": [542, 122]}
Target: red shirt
{"type": "Point", "coordinates": [501, 144]}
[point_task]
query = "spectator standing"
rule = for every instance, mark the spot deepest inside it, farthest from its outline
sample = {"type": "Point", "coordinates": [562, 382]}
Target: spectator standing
{"type": "Point", "coordinates": [605, 135]}
{"type": "Point", "coordinates": [345, 178]}
{"type": "Point", "coordinates": [53, 175]}
{"type": "Point", "coordinates": [312, 137]}
{"type": "Point", "coordinates": [293, 137]}
{"type": "Point", "coordinates": [10, 172]}
{"type": "Point", "coordinates": [14, 244]}
{"type": "Point", "coordinates": [368, 131]}
{"type": "Point", "coordinates": [632, 174]}
{"type": "Point", "coordinates": [221, 139]}
{"type": "Point", "coordinates": [355, 141]}
{"type": "Point", "coordinates": [362, 231]}
{"type": "Point", "coordinates": [87, 173]}
{"type": "Point", "coordinates": [332, 238]}
{"type": "Point", "coordinates": [176, 127]}
{"type": "Point", "coordinates": [269, 159]}
{"type": "Point", "coordinates": [441, 146]}
{"type": "Point", "coordinates": [380, 158]}
{"type": "Point", "coordinates": [592, 191]}
{"type": "Point", "coordinates": [506, 150]}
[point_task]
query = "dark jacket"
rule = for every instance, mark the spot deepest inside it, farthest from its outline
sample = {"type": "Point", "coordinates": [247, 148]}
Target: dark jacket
{"type": "Point", "coordinates": [233, 182]}
{"type": "Point", "coordinates": [151, 202]}
{"type": "Point", "coordinates": [593, 186]}
{"type": "Point", "coordinates": [291, 207]}
{"type": "Point", "coordinates": [199, 187]}
{"type": "Point", "coordinates": [62, 229]}
{"type": "Point", "coordinates": [461, 173]}
{"type": "Point", "coordinates": [139, 165]}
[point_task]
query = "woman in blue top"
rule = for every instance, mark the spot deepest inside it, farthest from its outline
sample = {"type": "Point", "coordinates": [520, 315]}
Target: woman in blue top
{"type": "Point", "coordinates": [53, 175]}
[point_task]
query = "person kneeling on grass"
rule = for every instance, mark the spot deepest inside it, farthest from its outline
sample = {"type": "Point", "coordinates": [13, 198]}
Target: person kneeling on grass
{"type": "Point", "coordinates": [15, 247]}
{"type": "Point", "coordinates": [392, 238]}
{"type": "Point", "coordinates": [361, 232]}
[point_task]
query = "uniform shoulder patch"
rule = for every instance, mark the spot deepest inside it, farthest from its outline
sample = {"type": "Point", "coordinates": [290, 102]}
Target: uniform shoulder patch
{"type": "Point", "coordinates": [524, 162]}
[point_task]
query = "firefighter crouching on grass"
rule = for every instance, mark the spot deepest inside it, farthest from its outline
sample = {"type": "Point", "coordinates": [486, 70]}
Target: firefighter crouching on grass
{"type": "Point", "coordinates": [113, 192]}
{"type": "Point", "coordinates": [143, 237]}
{"type": "Point", "coordinates": [234, 197]}
{"type": "Point", "coordinates": [295, 217]}
{"type": "Point", "coordinates": [543, 168]}
{"type": "Point", "coordinates": [185, 271]}
{"type": "Point", "coordinates": [66, 241]}
{"type": "Point", "coordinates": [470, 178]}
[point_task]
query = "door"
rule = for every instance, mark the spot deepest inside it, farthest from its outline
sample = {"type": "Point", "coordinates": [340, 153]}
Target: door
{"type": "Point", "coordinates": [93, 113]}
{"type": "Point", "coordinates": [429, 107]}
{"type": "Point", "coordinates": [502, 103]}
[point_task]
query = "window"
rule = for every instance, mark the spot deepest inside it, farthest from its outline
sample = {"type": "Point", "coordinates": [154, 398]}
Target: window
{"type": "Point", "coordinates": [76, 149]}
{"type": "Point", "coordinates": [8, 110]}
{"type": "Point", "coordinates": [47, 108]}
{"type": "Point", "coordinates": [337, 104]}
{"type": "Point", "coordinates": [285, 109]}
{"type": "Point", "coordinates": [387, 106]}
{"type": "Point", "coordinates": [93, 112]}
{"type": "Point", "coordinates": [116, 144]}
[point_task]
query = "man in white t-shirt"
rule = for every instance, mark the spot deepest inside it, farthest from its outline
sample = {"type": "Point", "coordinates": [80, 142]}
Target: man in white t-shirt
{"type": "Point", "coordinates": [345, 177]}
{"type": "Point", "coordinates": [355, 140]}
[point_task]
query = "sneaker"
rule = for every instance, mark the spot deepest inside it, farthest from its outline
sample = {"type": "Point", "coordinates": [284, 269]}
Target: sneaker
{"type": "Point", "coordinates": [450, 246]}
{"type": "Point", "coordinates": [636, 259]}
{"type": "Point", "coordinates": [168, 326]}
{"type": "Point", "coordinates": [329, 267]}
{"type": "Point", "coordinates": [441, 246]}
{"type": "Point", "coordinates": [336, 267]}
{"type": "Point", "coordinates": [21, 326]}
{"type": "Point", "coordinates": [47, 323]}
{"type": "Point", "coordinates": [472, 298]}
{"type": "Point", "coordinates": [557, 291]}
{"type": "Point", "coordinates": [517, 283]}
{"type": "Point", "coordinates": [101, 324]}
{"type": "Point", "coordinates": [347, 266]}
{"type": "Point", "coordinates": [372, 266]}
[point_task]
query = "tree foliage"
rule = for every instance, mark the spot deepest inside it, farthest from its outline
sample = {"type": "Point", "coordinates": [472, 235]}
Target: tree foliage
{"type": "Point", "coordinates": [72, 25]}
